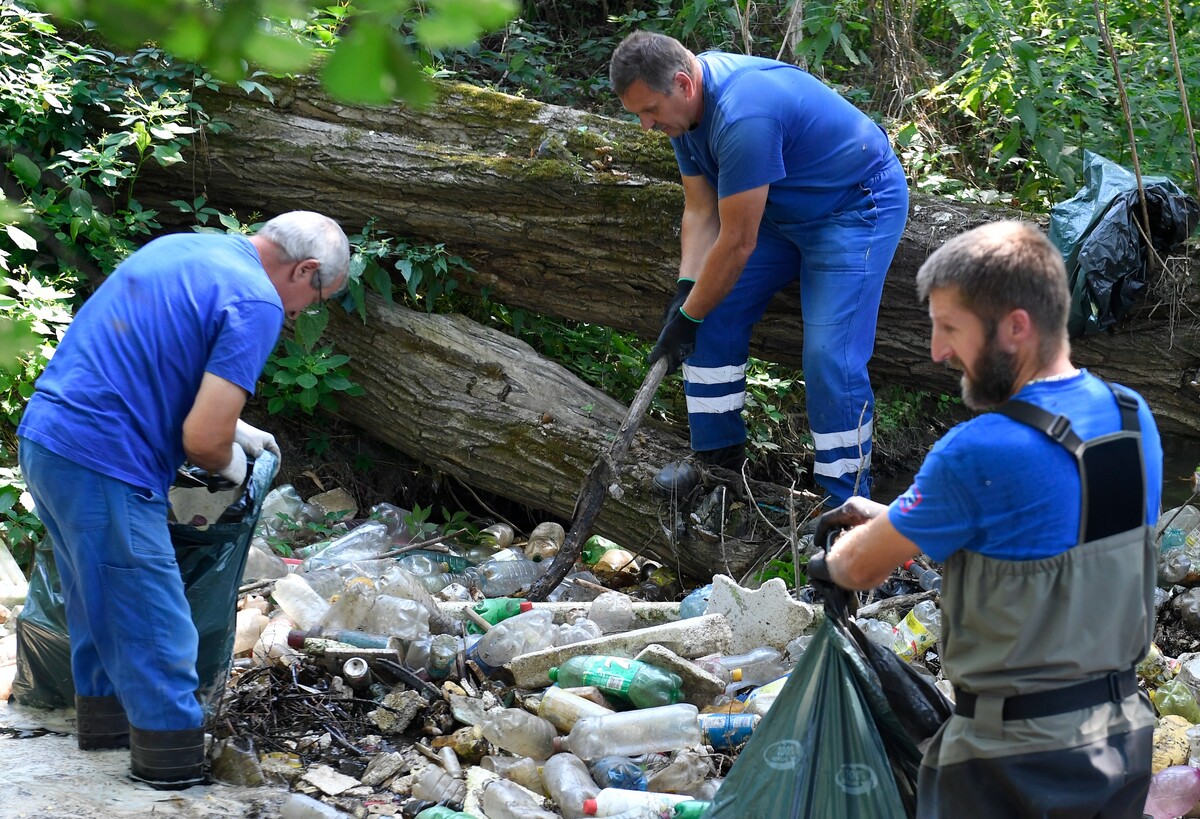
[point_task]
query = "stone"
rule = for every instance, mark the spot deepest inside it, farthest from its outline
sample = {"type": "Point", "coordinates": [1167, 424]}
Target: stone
{"type": "Point", "coordinates": [329, 781]}
{"type": "Point", "coordinates": [382, 768]}
{"type": "Point", "coordinates": [766, 616]}
{"type": "Point", "coordinates": [336, 502]}
{"type": "Point", "coordinates": [401, 708]}
{"type": "Point", "coordinates": [467, 710]}
{"type": "Point", "coordinates": [699, 687]}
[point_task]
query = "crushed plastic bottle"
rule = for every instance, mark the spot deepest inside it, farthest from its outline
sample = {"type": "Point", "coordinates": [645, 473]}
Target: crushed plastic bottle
{"type": "Point", "coordinates": [435, 785]}
{"type": "Point", "coordinates": [544, 541]}
{"type": "Point", "coordinates": [1174, 697]}
{"type": "Point", "coordinates": [362, 543]}
{"type": "Point", "coordinates": [496, 609]}
{"type": "Point", "coordinates": [1174, 791]}
{"type": "Point", "coordinates": [569, 784]}
{"type": "Point", "coordinates": [281, 504]}
{"type": "Point", "coordinates": [696, 603]}
{"type": "Point", "coordinates": [563, 708]}
{"type": "Point", "coordinates": [520, 732]}
{"type": "Point", "coordinates": [630, 733]}
{"type": "Point", "coordinates": [581, 630]}
{"type": "Point", "coordinates": [520, 769]}
{"type": "Point", "coordinates": [639, 683]}
{"type": "Point", "coordinates": [612, 612]}
{"type": "Point", "coordinates": [504, 799]}
{"type": "Point", "coordinates": [1188, 606]}
{"type": "Point", "coordinates": [618, 772]}
{"type": "Point", "coordinates": [687, 770]}
{"type": "Point", "coordinates": [753, 668]}
{"type": "Point", "coordinates": [531, 631]}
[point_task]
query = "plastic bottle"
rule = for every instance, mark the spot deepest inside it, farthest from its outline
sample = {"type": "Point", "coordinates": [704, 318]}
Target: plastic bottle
{"type": "Point", "coordinates": [299, 601]}
{"type": "Point", "coordinates": [249, 627]}
{"type": "Point", "coordinates": [686, 771]}
{"type": "Point", "coordinates": [394, 581]}
{"type": "Point", "coordinates": [497, 536]}
{"type": "Point", "coordinates": [568, 782]}
{"type": "Point", "coordinates": [760, 700]}
{"type": "Point", "coordinates": [520, 732]}
{"type": "Point", "coordinates": [918, 631]}
{"type": "Point", "coordinates": [1176, 566]}
{"type": "Point", "coordinates": [691, 809]}
{"type": "Point", "coordinates": [544, 541]}
{"type": "Point", "coordinates": [351, 606]}
{"type": "Point", "coordinates": [612, 611]}
{"type": "Point", "coordinates": [611, 801]}
{"type": "Point", "coordinates": [1185, 520]}
{"type": "Point", "coordinates": [1188, 606]}
{"type": "Point", "coordinates": [639, 683]}
{"type": "Point", "coordinates": [272, 647]}
{"type": "Point", "coordinates": [724, 732]}
{"type": "Point", "coordinates": [1174, 697]}
{"type": "Point", "coordinates": [580, 631]}
{"type": "Point", "coordinates": [563, 709]}
{"type": "Point", "coordinates": [502, 578]}
{"type": "Point", "coordinates": [531, 631]}
{"type": "Point", "coordinates": [595, 547]}
{"type": "Point", "coordinates": [361, 543]}
{"type": "Point", "coordinates": [616, 562]}
{"type": "Point", "coordinates": [696, 603]}
{"type": "Point", "coordinates": [282, 500]}
{"type": "Point", "coordinates": [442, 812]}
{"type": "Point", "coordinates": [755, 667]}
{"type": "Point", "coordinates": [504, 799]}
{"type": "Point", "coordinates": [436, 785]}
{"type": "Point", "coordinates": [497, 609]}
{"type": "Point", "coordinates": [520, 769]}
{"type": "Point", "coordinates": [398, 617]}
{"type": "Point", "coordinates": [1174, 791]}
{"type": "Point", "coordinates": [878, 632]}
{"type": "Point", "coordinates": [299, 806]}
{"type": "Point", "coordinates": [443, 656]}
{"type": "Point", "coordinates": [630, 733]}
{"type": "Point", "coordinates": [927, 579]}
{"type": "Point", "coordinates": [618, 772]}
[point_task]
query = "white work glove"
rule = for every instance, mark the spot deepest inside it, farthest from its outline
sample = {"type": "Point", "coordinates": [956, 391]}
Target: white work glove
{"type": "Point", "coordinates": [235, 470]}
{"type": "Point", "coordinates": [254, 440]}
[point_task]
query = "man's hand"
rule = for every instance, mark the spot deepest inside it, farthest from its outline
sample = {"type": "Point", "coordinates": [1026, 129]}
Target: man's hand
{"type": "Point", "coordinates": [253, 440]}
{"type": "Point", "coordinates": [682, 288]}
{"type": "Point", "coordinates": [677, 341]}
{"type": "Point", "coordinates": [235, 470]}
{"type": "Point", "coordinates": [854, 512]}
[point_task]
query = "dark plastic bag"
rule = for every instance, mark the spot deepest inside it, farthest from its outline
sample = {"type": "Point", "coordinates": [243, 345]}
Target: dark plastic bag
{"type": "Point", "coordinates": [829, 747]}
{"type": "Point", "coordinates": [210, 561]}
{"type": "Point", "coordinates": [1097, 232]}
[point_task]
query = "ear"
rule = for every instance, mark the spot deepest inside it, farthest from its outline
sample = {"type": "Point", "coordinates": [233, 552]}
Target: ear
{"type": "Point", "coordinates": [685, 84]}
{"type": "Point", "coordinates": [304, 271]}
{"type": "Point", "coordinates": [1016, 330]}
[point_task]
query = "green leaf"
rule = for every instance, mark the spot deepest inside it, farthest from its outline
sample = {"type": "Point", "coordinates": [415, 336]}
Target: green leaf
{"type": "Point", "coordinates": [20, 238]}
{"type": "Point", "coordinates": [309, 327]}
{"type": "Point", "coordinates": [1028, 114]}
{"type": "Point", "coordinates": [306, 380]}
{"type": "Point", "coordinates": [459, 22]}
{"type": "Point", "coordinates": [26, 170]}
{"type": "Point", "coordinates": [278, 52]}
{"type": "Point", "coordinates": [372, 66]}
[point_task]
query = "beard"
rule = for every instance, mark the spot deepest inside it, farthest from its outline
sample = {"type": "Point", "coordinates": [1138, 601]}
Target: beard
{"type": "Point", "coordinates": [995, 372]}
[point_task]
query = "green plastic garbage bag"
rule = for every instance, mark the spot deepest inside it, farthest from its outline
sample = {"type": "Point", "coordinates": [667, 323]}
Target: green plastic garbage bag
{"type": "Point", "coordinates": [211, 561]}
{"type": "Point", "coordinates": [829, 747]}
{"type": "Point", "coordinates": [1097, 232]}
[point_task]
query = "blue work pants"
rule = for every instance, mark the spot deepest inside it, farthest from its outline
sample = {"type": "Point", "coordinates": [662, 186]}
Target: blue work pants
{"type": "Point", "coordinates": [131, 627]}
{"type": "Point", "coordinates": [840, 262]}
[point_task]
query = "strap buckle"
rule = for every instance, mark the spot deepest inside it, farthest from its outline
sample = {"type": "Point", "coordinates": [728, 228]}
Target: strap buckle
{"type": "Point", "coordinates": [1059, 428]}
{"type": "Point", "coordinates": [1121, 684]}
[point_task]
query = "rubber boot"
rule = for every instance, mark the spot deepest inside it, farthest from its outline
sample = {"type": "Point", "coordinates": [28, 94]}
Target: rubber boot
{"type": "Point", "coordinates": [100, 723]}
{"type": "Point", "coordinates": [679, 478]}
{"type": "Point", "coordinates": [167, 760]}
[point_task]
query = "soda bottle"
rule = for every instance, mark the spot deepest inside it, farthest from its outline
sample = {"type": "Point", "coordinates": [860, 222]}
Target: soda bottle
{"type": "Point", "coordinates": [1174, 791]}
{"type": "Point", "coordinates": [563, 709]}
{"type": "Point", "coordinates": [618, 772]}
{"type": "Point", "coordinates": [496, 609]}
{"type": "Point", "coordinates": [435, 785]}
{"type": "Point", "coordinates": [595, 547]}
{"type": "Point", "coordinates": [504, 799]}
{"type": "Point", "coordinates": [299, 601]}
{"type": "Point", "coordinates": [443, 812]}
{"type": "Point", "coordinates": [501, 578]}
{"type": "Point", "coordinates": [691, 809]}
{"type": "Point", "coordinates": [639, 683]}
{"type": "Point", "coordinates": [568, 782]}
{"type": "Point", "coordinates": [927, 579]}
{"type": "Point", "coordinates": [520, 732]}
{"type": "Point", "coordinates": [531, 631]}
{"type": "Point", "coordinates": [724, 732]}
{"type": "Point", "coordinates": [520, 769]}
{"type": "Point", "coordinates": [630, 733]}
{"type": "Point", "coordinates": [918, 631]}
{"type": "Point", "coordinates": [611, 801]}
{"type": "Point", "coordinates": [612, 612]}
{"type": "Point", "coordinates": [544, 541]}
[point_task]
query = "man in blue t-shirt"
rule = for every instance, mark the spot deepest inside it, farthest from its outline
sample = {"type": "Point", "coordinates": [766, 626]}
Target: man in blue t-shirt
{"type": "Point", "coordinates": [784, 181]}
{"type": "Point", "coordinates": [155, 368]}
{"type": "Point", "coordinates": [1042, 512]}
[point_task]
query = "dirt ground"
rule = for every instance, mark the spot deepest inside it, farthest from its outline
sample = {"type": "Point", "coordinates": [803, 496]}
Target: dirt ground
{"type": "Point", "coordinates": [47, 777]}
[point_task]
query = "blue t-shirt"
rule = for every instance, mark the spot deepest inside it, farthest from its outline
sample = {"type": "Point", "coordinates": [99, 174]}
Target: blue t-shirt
{"type": "Point", "coordinates": [1004, 489]}
{"type": "Point", "coordinates": [114, 396]}
{"type": "Point", "coordinates": [770, 123]}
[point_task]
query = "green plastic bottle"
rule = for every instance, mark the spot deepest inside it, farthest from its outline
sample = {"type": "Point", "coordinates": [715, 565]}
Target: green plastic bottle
{"type": "Point", "coordinates": [495, 609]}
{"type": "Point", "coordinates": [443, 812]}
{"type": "Point", "coordinates": [642, 684]}
{"type": "Point", "coordinates": [595, 547]}
{"type": "Point", "coordinates": [691, 809]}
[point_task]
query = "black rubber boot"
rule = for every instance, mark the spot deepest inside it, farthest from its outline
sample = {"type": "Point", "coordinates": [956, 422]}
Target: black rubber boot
{"type": "Point", "coordinates": [679, 478]}
{"type": "Point", "coordinates": [167, 760]}
{"type": "Point", "coordinates": [100, 724]}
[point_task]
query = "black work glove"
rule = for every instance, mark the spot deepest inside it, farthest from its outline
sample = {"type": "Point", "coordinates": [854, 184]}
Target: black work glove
{"type": "Point", "coordinates": [677, 340]}
{"type": "Point", "coordinates": [854, 512]}
{"type": "Point", "coordinates": [682, 288]}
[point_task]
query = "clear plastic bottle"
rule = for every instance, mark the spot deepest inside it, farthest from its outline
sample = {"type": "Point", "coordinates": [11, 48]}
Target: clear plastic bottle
{"type": "Point", "coordinates": [504, 799]}
{"type": "Point", "coordinates": [612, 801]}
{"type": "Point", "coordinates": [581, 630]}
{"type": "Point", "coordinates": [1185, 520]}
{"type": "Point", "coordinates": [497, 536]}
{"type": "Point", "coordinates": [531, 631]}
{"type": "Point", "coordinates": [503, 578]}
{"type": "Point", "coordinates": [361, 543]}
{"type": "Point", "coordinates": [394, 581]}
{"type": "Point", "coordinates": [544, 541]}
{"type": "Point", "coordinates": [618, 772]}
{"type": "Point", "coordinates": [568, 782]}
{"type": "Point", "coordinates": [398, 617]}
{"type": "Point", "coordinates": [755, 667]}
{"type": "Point", "coordinates": [563, 709]}
{"type": "Point", "coordinates": [435, 785]}
{"type": "Point", "coordinates": [612, 611]}
{"type": "Point", "coordinates": [520, 732]}
{"type": "Point", "coordinates": [1188, 606]}
{"type": "Point", "coordinates": [639, 683]}
{"type": "Point", "coordinates": [280, 502]}
{"type": "Point", "coordinates": [927, 579]}
{"type": "Point", "coordinates": [630, 733]}
{"type": "Point", "coordinates": [696, 603]}
{"type": "Point", "coordinates": [687, 770]}
{"type": "Point", "coordinates": [353, 604]}
{"type": "Point", "coordinates": [878, 632]}
{"type": "Point", "coordinates": [392, 517]}
{"type": "Point", "coordinates": [918, 631]}
{"type": "Point", "coordinates": [617, 562]}
{"type": "Point", "coordinates": [1174, 791]}
{"type": "Point", "coordinates": [443, 656]}
{"type": "Point", "coordinates": [762, 698]}
{"type": "Point", "coordinates": [272, 646]}
{"type": "Point", "coordinates": [520, 769]}
{"type": "Point", "coordinates": [299, 601]}
{"type": "Point", "coordinates": [1176, 566]}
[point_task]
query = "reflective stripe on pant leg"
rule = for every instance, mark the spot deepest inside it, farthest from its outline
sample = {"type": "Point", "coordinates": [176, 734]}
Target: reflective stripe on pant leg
{"type": "Point", "coordinates": [128, 582]}
{"type": "Point", "coordinates": [715, 375]}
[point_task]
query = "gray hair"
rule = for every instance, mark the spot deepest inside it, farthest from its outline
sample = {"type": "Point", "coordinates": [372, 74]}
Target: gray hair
{"type": "Point", "coordinates": [654, 59]}
{"type": "Point", "coordinates": [1000, 267]}
{"type": "Point", "coordinates": [304, 234]}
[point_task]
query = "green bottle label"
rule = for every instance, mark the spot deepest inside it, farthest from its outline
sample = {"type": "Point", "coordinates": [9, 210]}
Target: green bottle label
{"type": "Point", "coordinates": [611, 674]}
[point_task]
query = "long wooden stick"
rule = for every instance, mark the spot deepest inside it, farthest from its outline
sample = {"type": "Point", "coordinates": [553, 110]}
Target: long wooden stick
{"type": "Point", "coordinates": [600, 480]}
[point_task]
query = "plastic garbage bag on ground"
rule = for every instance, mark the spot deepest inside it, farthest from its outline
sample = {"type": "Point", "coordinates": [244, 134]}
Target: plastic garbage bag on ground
{"type": "Point", "coordinates": [1097, 232]}
{"type": "Point", "coordinates": [211, 560]}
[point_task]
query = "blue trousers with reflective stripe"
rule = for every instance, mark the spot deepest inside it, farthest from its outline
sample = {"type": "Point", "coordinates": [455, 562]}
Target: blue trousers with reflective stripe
{"type": "Point", "coordinates": [840, 262]}
{"type": "Point", "coordinates": [131, 628]}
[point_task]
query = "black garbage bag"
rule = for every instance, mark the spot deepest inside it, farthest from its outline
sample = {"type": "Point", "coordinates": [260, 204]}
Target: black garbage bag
{"type": "Point", "coordinates": [831, 745]}
{"type": "Point", "coordinates": [211, 561]}
{"type": "Point", "coordinates": [1097, 232]}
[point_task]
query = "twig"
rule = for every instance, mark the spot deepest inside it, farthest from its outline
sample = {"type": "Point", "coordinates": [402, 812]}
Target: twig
{"type": "Point", "coordinates": [1183, 98]}
{"type": "Point", "coordinates": [254, 586]}
{"type": "Point", "coordinates": [474, 617]}
{"type": "Point", "coordinates": [422, 544]}
{"type": "Point", "coordinates": [900, 601]}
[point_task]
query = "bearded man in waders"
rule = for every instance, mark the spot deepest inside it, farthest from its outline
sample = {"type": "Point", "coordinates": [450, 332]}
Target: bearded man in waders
{"type": "Point", "coordinates": [1042, 512]}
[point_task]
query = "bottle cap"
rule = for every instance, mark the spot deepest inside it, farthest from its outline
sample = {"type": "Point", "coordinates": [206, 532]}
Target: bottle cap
{"type": "Point", "coordinates": [590, 806]}
{"type": "Point", "coordinates": [736, 675]}
{"type": "Point", "coordinates": [296, 638]}
{"type": "Point", "coordinates": [553, 674]}
{"type": "Point", "coordinates": [526, 606]}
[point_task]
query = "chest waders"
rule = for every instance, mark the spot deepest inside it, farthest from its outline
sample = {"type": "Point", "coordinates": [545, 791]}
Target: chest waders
{"type": "Point", "coordinates": [1048, 718]}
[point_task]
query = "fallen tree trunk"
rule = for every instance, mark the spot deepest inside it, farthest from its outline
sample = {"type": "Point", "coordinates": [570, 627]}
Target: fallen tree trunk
{"type": "Point", "coordinates": [576, 216]}
{"type": "Point", "coordinates": [485, 408]}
